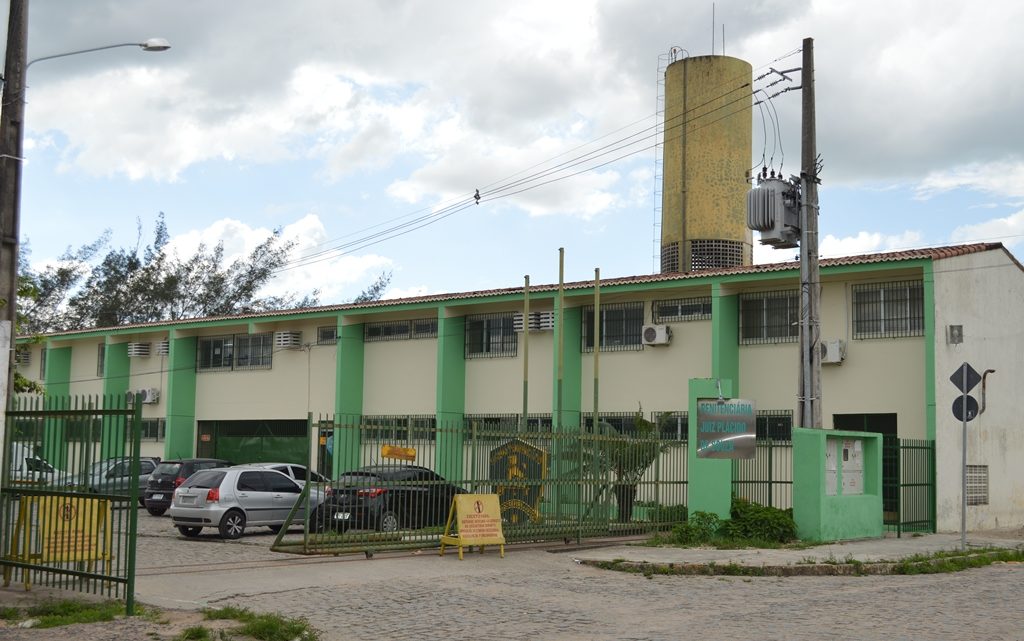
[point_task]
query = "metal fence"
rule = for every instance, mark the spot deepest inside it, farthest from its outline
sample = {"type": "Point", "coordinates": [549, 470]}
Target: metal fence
{"type": "Point", "coordinates": [551, 485]}
{"type": "Point", "coordinates": [68, 494]}
{"type": "Point", "coordinates": [768, 477]}
{"type": "Point", "coordinates": [908, 485]}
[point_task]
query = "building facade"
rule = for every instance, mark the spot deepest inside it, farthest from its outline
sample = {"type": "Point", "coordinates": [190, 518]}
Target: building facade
{"type": "Point", "coordinates": [894, 327]}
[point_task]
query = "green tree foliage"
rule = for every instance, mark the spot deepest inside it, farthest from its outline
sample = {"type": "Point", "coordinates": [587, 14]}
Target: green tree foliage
{"type": "Point", "coordinates": [87, 288]}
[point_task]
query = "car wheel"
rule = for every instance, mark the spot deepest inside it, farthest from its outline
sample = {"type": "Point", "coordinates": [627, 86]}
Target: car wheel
{"type": "Point", "coordinates": [275, 528]}
{"type": "Point", "coordinates": [232, 525]}
{"type": "Point", "coordinates": [156, 511]}
{"type": "Point", "coordinates": [189, 531]}
{"type": "Point", "coordinates": [142, 502]}
{"type": "Point", "coordinates": [388, 521]}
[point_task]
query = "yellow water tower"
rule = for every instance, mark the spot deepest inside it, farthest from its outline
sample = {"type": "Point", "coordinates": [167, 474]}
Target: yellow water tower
{"type": "Point", "coordinates": [707, 154]}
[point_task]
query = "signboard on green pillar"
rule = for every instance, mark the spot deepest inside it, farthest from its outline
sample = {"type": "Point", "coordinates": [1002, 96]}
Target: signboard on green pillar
{"type": "Point", "coordinates": [726, 428]}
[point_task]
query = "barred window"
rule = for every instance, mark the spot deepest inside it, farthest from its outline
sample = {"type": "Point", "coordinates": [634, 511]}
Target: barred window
{"type": "Point", "coordinates": [491, 335]}
{"type": "Point", "coordinates": [327, 335]}
{"type": "Point", "coordinates": [888, 310]}
{"type": "Point", "coordinates": [770, 317]}
{"type": "Point", "coordinates": [153, 429]}
{"type": "Point", "coordinates": [400, 428]}
{"type": "Point", "coordinates": [681, 309]}
{"type": "Point", "coordinates": [977, 485]}
{"type": "Point", "coordinates": [254, 351]}
{"type": "Point", "coordinates": [101, 359]}
{"type": "Point", "coordinates": [42, 364]}
{"type": "Point", "coordinates": [622, 325]}
{"type": "Point", "coordinates": [240, 351]}
{"type": "Point", "coordinates": [400, 330]}
{"type": "Point", "coordinates": [776, 425]}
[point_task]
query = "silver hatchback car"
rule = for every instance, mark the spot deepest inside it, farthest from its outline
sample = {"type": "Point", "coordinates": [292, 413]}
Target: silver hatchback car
{"type": "Point", "coordinates": [232, 498]}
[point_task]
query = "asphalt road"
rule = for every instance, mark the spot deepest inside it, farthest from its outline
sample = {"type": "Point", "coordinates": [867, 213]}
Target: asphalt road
{"type": "Point", "coordinates": [541, 594]}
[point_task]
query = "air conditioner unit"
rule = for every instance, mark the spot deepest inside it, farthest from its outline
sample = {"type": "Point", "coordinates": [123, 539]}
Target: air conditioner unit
{"type": "Point", "coordinates": [657, 335]}
{"type": "Point", "coordinates": [138, 350]}
{"type": "Point", "coordinates": [539, 321]}
{"type": "Point", "coordinates": [148, 395]}
{"type": "Point", "coordinates": [163, 348]}
{"type": "Point", "coordinates": [287, 340]}
{"type": "Point", "coordinates": [832, 351]}
{"type": "Point", "coordinates": [773, 208]}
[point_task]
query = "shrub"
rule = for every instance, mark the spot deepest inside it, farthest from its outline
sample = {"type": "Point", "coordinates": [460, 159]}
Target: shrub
{"type": "Point", "coordinates": [753, 521]}
{"type": "Point", "coordinates": [700, 527]}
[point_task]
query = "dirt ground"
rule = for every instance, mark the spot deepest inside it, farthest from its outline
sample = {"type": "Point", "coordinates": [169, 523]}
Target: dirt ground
{"type": "Point", "coordinates": [154, 624]}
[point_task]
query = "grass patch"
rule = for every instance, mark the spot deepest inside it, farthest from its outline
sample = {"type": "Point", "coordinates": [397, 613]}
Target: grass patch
{"type": "Point", "coordinates": [942, 562]}
{"type": "Point", "coordinates": [265, 627]}
{"type": "Point", "coordinates": [195, 633]}
{"type": "Point", "coordinates": [66, 612]}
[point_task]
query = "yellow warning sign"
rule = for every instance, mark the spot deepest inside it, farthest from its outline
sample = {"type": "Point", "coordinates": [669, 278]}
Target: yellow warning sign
{"type": "Point", "coordinates": [400, 453]}
{"type": "Point", "coordinates": [477, 518]}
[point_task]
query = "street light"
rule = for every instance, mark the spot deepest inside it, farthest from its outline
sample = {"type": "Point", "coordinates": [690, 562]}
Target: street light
{"type": "Point", "coordinates": [152, 44]}
{"type": "Point", "coordinates": [11, 138]}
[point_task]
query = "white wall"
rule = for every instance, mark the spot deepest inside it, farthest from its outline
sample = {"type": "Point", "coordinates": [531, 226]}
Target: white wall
{"type": "Point", "coordinates": [984, 293]}
{"type": "Point", "coordinates": [400, 377]}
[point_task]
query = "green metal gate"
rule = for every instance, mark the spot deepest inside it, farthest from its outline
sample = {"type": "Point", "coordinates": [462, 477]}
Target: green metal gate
{"type": "Point", "coordinates": [57, 530]}
{"type": "Point", "coordinates": [908, 485]}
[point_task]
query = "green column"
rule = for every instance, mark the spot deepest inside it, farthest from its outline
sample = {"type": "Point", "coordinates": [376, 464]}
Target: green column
{"type": "Point", "coordinates": [451, 394]}
{"type": "Point", "coordinates": [709, 481]}
{"type": "Point", "coordinates": [116, 373]}
{"type": "Point", "coordinates": [929, 352]}
{"type": "Point", "coordinates": [181, 398]}
{"type": "Point", "coordinates": [58, 392]}
{"type": "Point", "coordinates": [725, 342]}
{"type": "Point", "coordinates": [348, 400]}
{"type": "Point", "coordinates": [572, 371]}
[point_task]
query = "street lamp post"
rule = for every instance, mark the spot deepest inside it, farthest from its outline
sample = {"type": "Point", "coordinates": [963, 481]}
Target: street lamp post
{"type": "Point", "coordinates": [11, 136]}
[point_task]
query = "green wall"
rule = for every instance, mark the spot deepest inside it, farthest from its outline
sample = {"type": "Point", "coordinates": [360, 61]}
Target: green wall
{"type": "Point", "coordinates": [58, 390]}
{"type": "Point", "coordinates": [116, 373]}
{"type": "Point", "coordinates": [181, 398]}
{"type": "Point", "coordinates": [823, 517]}
{"type": "Point", "coordinates": [709, 481]}
{"type": "Point", "coordinates": [451, 394]}
{"type": "Point", "coordinates": [572, 371]}
{"type": "Point", "coordinates": [348, 398]}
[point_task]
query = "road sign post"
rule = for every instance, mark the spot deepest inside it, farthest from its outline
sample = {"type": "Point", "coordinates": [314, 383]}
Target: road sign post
{"type": "Point", "coordinates": [965, 408]}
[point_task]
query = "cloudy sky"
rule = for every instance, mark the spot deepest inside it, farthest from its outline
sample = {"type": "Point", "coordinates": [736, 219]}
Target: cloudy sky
{"type": "Point", "coordinates": [362, 129]}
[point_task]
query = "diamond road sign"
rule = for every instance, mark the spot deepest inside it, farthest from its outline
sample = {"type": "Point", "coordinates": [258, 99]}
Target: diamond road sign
{"type": "Point", "coordinates": [973, 378]}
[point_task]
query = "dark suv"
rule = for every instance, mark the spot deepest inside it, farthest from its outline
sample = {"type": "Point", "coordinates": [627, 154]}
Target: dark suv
{"type": "Point", "coordinates": [386, 498]}
{"type": "Point", "coordinates": [169, 475]}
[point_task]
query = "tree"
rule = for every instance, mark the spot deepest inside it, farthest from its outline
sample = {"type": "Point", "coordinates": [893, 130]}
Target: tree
{"type": "Point", "coordinates": [376, 290]}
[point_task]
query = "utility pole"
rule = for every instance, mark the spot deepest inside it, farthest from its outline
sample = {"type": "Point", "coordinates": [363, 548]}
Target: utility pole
{"type": "Point", "coordinates": [11, 122]}
{"type": "Point", "coordinates": [810, 279]}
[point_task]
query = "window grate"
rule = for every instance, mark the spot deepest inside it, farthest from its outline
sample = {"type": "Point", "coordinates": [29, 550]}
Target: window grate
{"type": "Point", "coordinates": [327, 335]}
{"type": "Point", "coordinates": [977, 485]}
{"type": "Point", "coordinates": [101, 359]}
{"type": "Point", "coordinates": [401, 428]}
{"type": "Point", "coordinates": [235, 352]}
{"type": "Point", "coordinates": [888, 310]}
{"type": "Point", "coordinates": [715, 254]}
{"type": "Point", "coordinates": [681, 309]}
{"type": "Point", "coordinates": [670, 258]}
{"type": "Point", "coordinates": [491, 336]}
{"type": "Point", "coordinates": [776, 425]}
{"type": "Point", "coordinates": [770, 317]}
{"type": "Point", "coordinates": [400, 330]}
{"type": "Point", "coordinates": [622, 327]}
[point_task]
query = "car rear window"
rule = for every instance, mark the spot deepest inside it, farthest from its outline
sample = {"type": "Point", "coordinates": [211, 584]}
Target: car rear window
{"type": "Point", "coordinates": [167, 469]}
{"type": "Point", "coordinates": [205, 479]}
{"type": "Point", "coordinates": [359, 479]}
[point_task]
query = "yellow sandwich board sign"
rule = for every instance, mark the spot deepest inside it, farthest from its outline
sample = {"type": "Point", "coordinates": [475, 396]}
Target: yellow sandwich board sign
{"type": "Point", "coordinates": [60, 529]}
{"type": "Point", "coordinates": [477, 519]}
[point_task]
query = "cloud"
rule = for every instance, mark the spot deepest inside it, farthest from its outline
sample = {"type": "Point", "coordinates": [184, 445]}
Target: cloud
{"type": "Point", "coordinates": [1008, 230]}
{"type": "Point", "coordinates": [338, 278]}
{"type": "Point", "coordinates": [1002, 178]}
{"type": "Point", "coordinates": [864, 242]}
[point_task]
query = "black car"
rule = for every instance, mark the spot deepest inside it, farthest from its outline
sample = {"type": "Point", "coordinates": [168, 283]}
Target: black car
{"type": "Point", "coordinates": [387, 498]}
{"type": "Point", "coordinates": [171, 473]}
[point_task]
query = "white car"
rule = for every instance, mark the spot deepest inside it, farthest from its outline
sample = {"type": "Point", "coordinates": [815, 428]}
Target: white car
{"type": "Point", "coordinates": [294, 471]}
{"type": "Point", "coordinates": [233, 498]}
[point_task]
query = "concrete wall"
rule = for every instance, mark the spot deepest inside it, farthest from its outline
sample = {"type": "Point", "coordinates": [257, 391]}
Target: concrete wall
{"type": "Point", "coordinates": [400, 377]}
{"type": "Point", "coordinates": [985, 293]}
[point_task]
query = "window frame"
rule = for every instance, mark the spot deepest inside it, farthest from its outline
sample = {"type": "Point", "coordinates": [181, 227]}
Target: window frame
{"type": "Point", "coordinates": [256, 350]}
{"type": "Point", "coordinates": [768, 330]}
{"type": "Point", "coordinates": [896, 309]}
{"type": "Point", "coordinates": [625, 339]}
{"type": "Point", "coordinates": [703, 313]}
{"type": "Point", "coordinates": [322, 337]}
{"type": "Point", "coordinates": [101, 359]}
{"type": "Point", "coordinates": [491, 336]}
